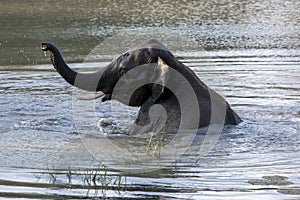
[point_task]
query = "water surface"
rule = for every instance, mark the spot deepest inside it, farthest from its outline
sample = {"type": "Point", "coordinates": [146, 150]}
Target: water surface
{"type": "Point", "coordinates": [248, 51]}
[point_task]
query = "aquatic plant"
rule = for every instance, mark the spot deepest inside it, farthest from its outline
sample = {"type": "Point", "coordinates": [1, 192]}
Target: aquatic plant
{"type": "Point", "coordinates": [97, 178]}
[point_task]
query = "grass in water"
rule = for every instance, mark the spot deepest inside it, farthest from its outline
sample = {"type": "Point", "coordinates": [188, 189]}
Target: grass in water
{"type": "Point", "coordinates": [155, 146]}
{"type": "Point", "coordinates": [97, 178]}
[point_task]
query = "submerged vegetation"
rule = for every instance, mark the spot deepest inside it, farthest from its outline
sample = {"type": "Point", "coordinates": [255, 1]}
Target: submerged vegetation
{"type": "Point", "coordinates": [94, 179]}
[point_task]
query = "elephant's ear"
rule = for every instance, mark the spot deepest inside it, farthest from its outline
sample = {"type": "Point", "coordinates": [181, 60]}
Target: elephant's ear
{"type": "Point", "coordinates": [162, 74]}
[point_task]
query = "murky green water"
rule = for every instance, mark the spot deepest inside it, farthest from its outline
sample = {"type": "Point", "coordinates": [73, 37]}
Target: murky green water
{"type": "Point", "coordinates": [246, 50]}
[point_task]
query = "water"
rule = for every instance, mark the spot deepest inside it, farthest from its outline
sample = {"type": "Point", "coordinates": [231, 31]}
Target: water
{"type": "Point", "coordinates": [247, 51]}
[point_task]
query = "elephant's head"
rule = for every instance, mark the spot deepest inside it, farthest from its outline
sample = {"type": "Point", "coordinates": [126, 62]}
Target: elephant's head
{"type": "Point", "coordinates": [132, 78]}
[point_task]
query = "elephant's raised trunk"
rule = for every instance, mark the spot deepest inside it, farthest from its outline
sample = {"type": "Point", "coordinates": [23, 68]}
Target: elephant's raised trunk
{"type": "Point", "coordinates": [85, 81]}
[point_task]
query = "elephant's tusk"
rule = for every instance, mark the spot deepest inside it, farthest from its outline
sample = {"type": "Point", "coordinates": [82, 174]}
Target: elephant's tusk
{"type": "Point", "coordinates": [101, 94]}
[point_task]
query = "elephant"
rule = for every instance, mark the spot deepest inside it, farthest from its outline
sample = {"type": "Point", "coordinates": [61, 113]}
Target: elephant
{"type": "Point", "coordinates": [149, 76]}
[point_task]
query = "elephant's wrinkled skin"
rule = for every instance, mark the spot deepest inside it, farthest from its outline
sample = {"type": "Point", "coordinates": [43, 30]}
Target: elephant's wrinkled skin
{"type": "Point", "coordinates": [161, 88]}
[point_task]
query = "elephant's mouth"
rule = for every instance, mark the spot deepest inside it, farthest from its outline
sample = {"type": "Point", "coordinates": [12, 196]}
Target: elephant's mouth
{"type": "Point", "coordinates": [106, 97]}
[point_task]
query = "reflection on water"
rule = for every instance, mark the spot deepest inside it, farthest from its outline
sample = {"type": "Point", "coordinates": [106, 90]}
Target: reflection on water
{"type": "Point", "coordinates": [246, 50]}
